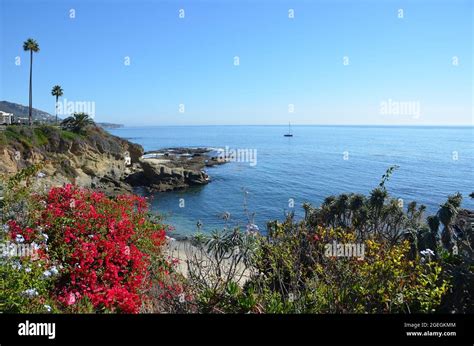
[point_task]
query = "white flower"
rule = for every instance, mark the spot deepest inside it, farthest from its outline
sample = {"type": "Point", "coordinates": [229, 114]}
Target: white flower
{"type": "Point", "coordinates": [31, 292]}
{"type": "Point", "coordinates": [19, 238]}
{"type": "Point", "coordinates": [46, 273]}
{"type": "Point", "coordinates": [28, 269]}
{"type": "Point", "coordinates": [48, 308]}
{"type": "Point", "coordinates": [5, 228]}
{"type": "Point", "coordinates": [41, 175]}
{"type": "Point", "coordinates": [54, 270]}
{"type": "Point", "coordinates": [427, 252]}
{"type": "Point", "coordinates": [6, 249]}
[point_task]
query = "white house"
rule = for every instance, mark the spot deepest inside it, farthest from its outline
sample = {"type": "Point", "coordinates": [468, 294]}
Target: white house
{"type": "Point", "coordinates": [5, 118]}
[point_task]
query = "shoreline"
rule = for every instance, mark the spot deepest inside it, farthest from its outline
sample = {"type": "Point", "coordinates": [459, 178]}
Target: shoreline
{"type": "Point", "coordinates": [187, 254]}
{"type": "Point", "coordinates": [97, 159]}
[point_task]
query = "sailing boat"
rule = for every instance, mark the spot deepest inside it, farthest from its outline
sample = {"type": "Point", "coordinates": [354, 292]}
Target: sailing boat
{"type": "Point", "coordinates": [289, 134]}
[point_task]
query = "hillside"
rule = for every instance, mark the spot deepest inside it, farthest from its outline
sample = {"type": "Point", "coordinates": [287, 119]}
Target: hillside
{"type": "Point", "coordinates": [22, 111]}
{"type": "Point", "coordinates": [92, 159]}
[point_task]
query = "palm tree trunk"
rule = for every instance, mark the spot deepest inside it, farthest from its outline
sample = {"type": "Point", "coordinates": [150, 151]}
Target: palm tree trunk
{"type": "Point", "coordinates": [56, 109]}
{"type": "Point", "coordinates": [30, 117]}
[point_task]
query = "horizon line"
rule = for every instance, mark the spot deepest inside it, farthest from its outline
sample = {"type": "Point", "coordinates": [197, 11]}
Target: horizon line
{"type": "Point", "coordinates": [297, 125]}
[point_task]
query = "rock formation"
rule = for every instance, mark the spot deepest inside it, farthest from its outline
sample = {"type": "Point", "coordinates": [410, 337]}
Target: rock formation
{"type": "Point", "coordinates": [99, 160]}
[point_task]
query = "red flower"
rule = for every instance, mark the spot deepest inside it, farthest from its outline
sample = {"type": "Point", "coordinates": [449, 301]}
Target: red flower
{"type": "Point", "coordinates": [101, 244]}
{"type": "Point", "coordinates": [71, 299]}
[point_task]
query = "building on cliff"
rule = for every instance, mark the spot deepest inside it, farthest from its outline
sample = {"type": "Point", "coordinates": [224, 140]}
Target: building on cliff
{"type": "Point", "coordinates": [5, 118]}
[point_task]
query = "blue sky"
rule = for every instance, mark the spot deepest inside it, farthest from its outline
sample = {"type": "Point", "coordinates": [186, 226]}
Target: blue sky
{"type": "Point", "coordinates": [283, 61]}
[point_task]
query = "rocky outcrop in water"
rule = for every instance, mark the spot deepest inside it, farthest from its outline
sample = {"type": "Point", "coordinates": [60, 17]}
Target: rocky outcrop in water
{"type": "Point", "coordinates": [173, 168]}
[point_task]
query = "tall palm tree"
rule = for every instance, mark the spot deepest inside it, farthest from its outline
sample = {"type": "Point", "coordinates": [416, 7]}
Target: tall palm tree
{"type": "Point", "coordinates": [32, 46]}
{"type": "Point", "coordinates": [57, 91]}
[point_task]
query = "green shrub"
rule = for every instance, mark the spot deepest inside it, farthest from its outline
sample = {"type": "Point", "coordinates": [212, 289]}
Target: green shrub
{"type": "Point", "coordinates": [40, 136]}
{"type": "Point", "coordinates": [68, 135]}
{"type": "Point", "coordinates": [91, 253]}
{"type": "Point", "coordinates": [296, 275]}
{"type": "Point", "coordinates": [25, 288]}
{"type": "Point", "coordinates": [19, 134]}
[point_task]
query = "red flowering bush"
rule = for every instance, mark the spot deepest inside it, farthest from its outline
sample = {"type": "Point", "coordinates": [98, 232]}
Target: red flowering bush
{"type": "Point", "coordinates": [105, 246]}
{"type": "Point", "coordinates": [108, 250]}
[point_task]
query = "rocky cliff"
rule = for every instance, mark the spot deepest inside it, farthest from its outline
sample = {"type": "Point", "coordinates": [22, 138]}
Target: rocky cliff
{"type": "Point", "coordinates": [93, 159]}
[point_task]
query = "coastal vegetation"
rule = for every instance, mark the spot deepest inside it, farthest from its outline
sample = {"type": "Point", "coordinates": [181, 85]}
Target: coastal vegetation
{"type": "Point", "coordinates": [76, 239]}
{"type": "Point", "coordinates": [89, 253]}
{"type": "Point", "coordinates": [406, 267]}
{"type": "Point", "coordinates": [77, 123]}
{"type": "Point", "coordinates": [99, 254]}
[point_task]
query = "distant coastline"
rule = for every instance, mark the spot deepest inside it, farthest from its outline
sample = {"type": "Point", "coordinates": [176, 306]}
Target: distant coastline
{"type": "Point", "coordinates": [21, 111]}
{"type": "Point", "coordinates": [301, 125]}
{"type": "Point", "coordinates": [110, 125]}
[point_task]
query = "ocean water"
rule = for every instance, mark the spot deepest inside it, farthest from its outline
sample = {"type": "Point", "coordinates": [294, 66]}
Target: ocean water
{"type": "Point", "coordinates": [316, 162]}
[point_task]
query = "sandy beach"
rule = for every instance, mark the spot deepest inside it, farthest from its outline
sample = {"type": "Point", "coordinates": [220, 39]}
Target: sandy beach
{"type": "Point", "coordinates": [189, 255]}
